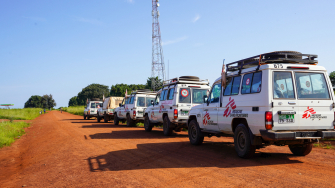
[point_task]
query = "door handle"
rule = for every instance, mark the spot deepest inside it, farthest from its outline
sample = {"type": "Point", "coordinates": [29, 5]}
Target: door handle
{"type": "Point", "coordinates": [292, 103]}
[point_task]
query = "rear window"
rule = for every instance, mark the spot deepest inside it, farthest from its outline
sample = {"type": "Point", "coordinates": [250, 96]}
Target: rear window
{"type": "Point", "coordinates": [283, 85]}
{"type": "Point", "coordinates": [141, 101]}
{"type": "Point", "coordinates": [311, 86]}
{"type": "Point", "coordinates": [96, 105]}
{"type": "Point", "coordinates": [184, 95]}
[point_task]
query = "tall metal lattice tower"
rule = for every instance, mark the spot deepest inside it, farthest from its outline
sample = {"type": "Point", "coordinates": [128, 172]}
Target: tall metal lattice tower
{"type": "Point", "coordinates": [158, 67]}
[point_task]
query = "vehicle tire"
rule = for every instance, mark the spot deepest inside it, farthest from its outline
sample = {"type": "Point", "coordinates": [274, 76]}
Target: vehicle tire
{"type": "Point", "coordinates": [194, 133]}
{"type": "Point", "coordinates": [105, 118]}
{"type": "Point", "coordinates": [301, 149]}
{"type": "Point", "coordinates": [242, 142]}
{"type": "Point", "coordinates": [167, 130]}
{"type": "Point", "coordinates": [147, 125]}
{"type": "Point", "coordinates": [130, 122]}
{"type": "Point", "coordinates": [116, 119]}
{"type": "Point", "coordinates": [98, 118]}
{"type": "Point", "coordinates": [84, 116]}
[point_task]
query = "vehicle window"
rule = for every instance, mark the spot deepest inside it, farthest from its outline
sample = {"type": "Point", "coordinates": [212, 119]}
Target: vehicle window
{"type": "Point", "coordinates": [127, 100]}
{"type": "Point", "coordinates": [98, 105]}
{"type": "Point", "coordinates": [163, 95]}
{"type": "Point", "coordinates": [228, 87]}
{"type": "Point", "coordinates": [171, 94]}
{"type": "Point", "coordinates": [92, 105]}
{"type": "Point", "coordinates": [198, 95]}
{"type": "Point", "coordinates": [246, 83]}
{"type": "Point", "coordinates": [256, 82]}
{"type": "Point", "coordinates": [236, 85]}
{"type": "Point", "coordinates": [141, 101]}
{"type": "Point", "coordinates": [166, 94]}
{"type": "Point", "coordinates": [184, 95]}
{"type": "Point", "coordinates": [215, 93]}
{"type": "Point", "coordinates": [157, 99]}
{"type": "Point", "coordinates": [282, 85]}
{"type": "Point", "coordinates": [131, 100]}
{"type": "Point", "coordinates": [148, 101]}
{"type": "Point", "coordinates": [311, 86]}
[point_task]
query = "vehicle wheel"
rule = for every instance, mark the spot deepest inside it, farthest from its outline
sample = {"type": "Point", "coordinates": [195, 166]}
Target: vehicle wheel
{"type": "Point", "coordinates": [116, 119]}
{"type": "Point", "coordinates": [194, 133]}
{"type": "Point", "coordinates": [105, 118]}
{"type": "Point", "coordinates": [98, 119]}
{"type": "Point", "coordinates": [167, 126]}
{"type": "Point", "coordinates": [130, 122]}
{"type": "Point", "coordinates": [242, 142]}
{"type": "Point", "coordinates": [301, 149]}
{"type": "Point", "coordinates": [147, 124]}
{"type": "Point", "coordinates": [84, 116]}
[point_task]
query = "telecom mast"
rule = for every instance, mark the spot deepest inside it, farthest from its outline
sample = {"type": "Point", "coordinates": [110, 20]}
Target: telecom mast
{"type": "Point", "coordinates": [158, 68]}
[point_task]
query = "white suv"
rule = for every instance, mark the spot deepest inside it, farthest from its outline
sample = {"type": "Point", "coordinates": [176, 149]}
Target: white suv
{"type": "Point", "coordinates": [174, 101]}
{"type": "Point", "coordinates": [107, 110]}
{"type": "Point", "coordinates": [132, 107]}
{"type": "Point", "coordinates": [276, 98]}
{"type": "Point", "coordinates": [92, 108]}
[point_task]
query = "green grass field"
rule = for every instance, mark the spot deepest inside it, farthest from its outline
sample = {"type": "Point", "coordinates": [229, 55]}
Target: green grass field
{"type": "Point", "coordinates": [20, 114]}
{"type": "Point", "coordinates": [9, 131]}
{"type": "Point", "coordinates": [76, 110]}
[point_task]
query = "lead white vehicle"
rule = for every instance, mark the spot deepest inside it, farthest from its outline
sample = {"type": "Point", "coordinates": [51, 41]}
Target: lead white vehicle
{"type": "Point", "coordinates": [174, 101]}
{"type": "Point", "coordinates": [132, 107]}
{"type": "Point", "coordinates": [278, 98]}
{"type": "Point", "coordinates": [92, 108]}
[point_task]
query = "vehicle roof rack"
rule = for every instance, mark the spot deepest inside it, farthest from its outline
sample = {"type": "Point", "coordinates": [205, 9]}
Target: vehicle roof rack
{"type": "Point", "coordinates": [186, 80]}
{"type": "Point", "coordinates": [291, 57]}
{"type": "Point", "coordinates": [143, 91]}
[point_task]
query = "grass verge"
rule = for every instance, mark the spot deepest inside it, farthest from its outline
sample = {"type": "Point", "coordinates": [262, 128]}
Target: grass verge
{"type": "Point", "coordinates": [20, 114]}
{"type": "Point", "coordinates": [9, 131]}
{"type": "Point", "coordinates": [76, 110]}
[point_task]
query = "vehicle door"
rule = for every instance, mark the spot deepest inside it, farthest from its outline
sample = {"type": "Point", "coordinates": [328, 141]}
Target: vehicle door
{"type": "Point", "coordinates": [123, 111]}
{"type": "Point", "coordinates": [228, 110]}
{"type": "Point", "coordinates": [154, 112]}
{"type": "Point", "coordinates": [159, 109]}
{"type": "Point", "coordinates": [314, 99]}
{"type": "Point", "coordinates": [210, 110]}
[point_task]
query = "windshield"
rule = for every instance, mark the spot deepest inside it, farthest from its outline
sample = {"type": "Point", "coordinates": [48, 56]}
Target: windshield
{"type": "Point", "coordinates": [311, 86]}
{"type": "Point", "coordinates": [96, 105]}
{"type": "Point", "coordinates": [197, 95]}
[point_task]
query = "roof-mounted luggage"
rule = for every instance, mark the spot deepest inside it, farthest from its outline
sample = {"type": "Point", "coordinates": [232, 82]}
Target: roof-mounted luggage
{"type": "Point", "coordinates": [143, 91]}
{"type": "Point", "coordinates": [186, 80]}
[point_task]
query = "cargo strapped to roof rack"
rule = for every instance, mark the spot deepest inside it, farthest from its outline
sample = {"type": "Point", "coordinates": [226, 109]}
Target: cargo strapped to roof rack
{"type": "Point", "coordinates": [272, 57]}
{"type": "Point", "coordinates": [143, 91]}
{"type": "Point", "coordinates": [185, 80]}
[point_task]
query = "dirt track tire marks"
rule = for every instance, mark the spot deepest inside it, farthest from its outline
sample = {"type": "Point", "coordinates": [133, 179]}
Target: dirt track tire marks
{"type": "Point", "coordinates": [62, 150]}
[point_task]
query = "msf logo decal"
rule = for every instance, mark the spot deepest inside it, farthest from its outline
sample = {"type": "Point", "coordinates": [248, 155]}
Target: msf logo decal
{"type": "Point", "coordinates": [206, 118]}
{"type": "Point", "coordinates": [161, 108]}
{"type": "Point", "coordinates": [230, 106]}
{"type": "Point", "coordinates": [308, 112]}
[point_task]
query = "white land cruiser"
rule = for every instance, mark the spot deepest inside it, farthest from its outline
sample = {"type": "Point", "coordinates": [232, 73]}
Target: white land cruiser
{"type": "Point", "coordinates": [174, 101]}
{"type": "Point", "coordinates": [92, 108]}
{"type": "Point", "coordinates": [107, 110]}
{"type": "Point", "coordinates": [278, 98]}
{"type": "Point", "coordinates": [132, 107]}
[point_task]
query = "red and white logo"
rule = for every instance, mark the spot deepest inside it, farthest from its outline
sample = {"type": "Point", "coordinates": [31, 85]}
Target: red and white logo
{"type": "Point", "coordinates": [184, 93]}
{"type": "Point", "coordinates": [247, 81]}
{"type": "Point", "coordinates": [308, 112]}
{"type": "Point", "coordinates": [152, 114]}
{"type": "Point", "coordinates": [126, 109]}
{"type": "Point", "coordinates": [161, 108]}
{"type": "Point", "coordinates": [120, 113]}
{"type": "Point", "coordinates": [206, 118]}
{"type": "Point", "coordinates": [308, 84]}
{"type": "Point", "coordinates": [230, 106]}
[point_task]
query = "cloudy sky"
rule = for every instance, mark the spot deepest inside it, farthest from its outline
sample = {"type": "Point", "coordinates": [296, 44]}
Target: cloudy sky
{"type": "Point", "coordinates": [59, 47]}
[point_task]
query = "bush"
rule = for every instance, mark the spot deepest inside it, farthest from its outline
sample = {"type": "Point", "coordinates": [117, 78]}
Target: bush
{"type": "Point", "coordinates": [9, 131]}
{"type": "Point", "coordinates": [20, 114]}
{"type": "Point", "coordinates": [76, 110]}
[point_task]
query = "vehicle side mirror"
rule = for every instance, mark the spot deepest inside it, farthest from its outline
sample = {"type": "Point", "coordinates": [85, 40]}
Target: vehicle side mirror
{"type": "Point", "coordinates": [119, 104]}
{"type": "Point", "coordinates": [206, 99]}
{"type": "Point", "coordinates": [152, 102]}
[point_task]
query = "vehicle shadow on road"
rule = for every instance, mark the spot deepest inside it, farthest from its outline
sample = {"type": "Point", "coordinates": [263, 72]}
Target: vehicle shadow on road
{"type": "Point", "coordinates": [135, 134]}
{"type": "Point", "coordinates": [181, 155]}
{"type": "Point", "coordinates": [107, 125]}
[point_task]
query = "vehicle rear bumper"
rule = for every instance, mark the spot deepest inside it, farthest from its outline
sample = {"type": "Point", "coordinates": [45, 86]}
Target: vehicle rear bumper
{"type": "Point", "coordinates": [296, 135]}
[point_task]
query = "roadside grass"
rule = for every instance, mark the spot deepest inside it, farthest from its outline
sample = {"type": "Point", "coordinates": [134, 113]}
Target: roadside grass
{"type": "Point", "coordinates": [76, 110]}
{"type": "Point", "coordinates": [139, 124]}
{"type": "Point", "coordinates": [20, 114]}
{"type": "Point", "coordinates": [324, 144]}
{"type": "Point", "coordinates": [9, 131]}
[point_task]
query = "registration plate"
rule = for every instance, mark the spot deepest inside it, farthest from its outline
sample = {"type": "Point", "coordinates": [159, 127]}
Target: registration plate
{"type": "Point", "coordinates": [184, 113]}
{"type": "Point", "coordinates": [286, 118]}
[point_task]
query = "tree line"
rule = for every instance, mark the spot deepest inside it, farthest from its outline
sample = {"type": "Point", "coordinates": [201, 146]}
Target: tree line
{"type": "Point", "coordinates": [36, 101]}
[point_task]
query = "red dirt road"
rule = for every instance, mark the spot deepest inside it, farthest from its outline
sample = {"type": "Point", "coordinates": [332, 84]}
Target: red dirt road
{"type": "Point", "coordinates": [63, 150]}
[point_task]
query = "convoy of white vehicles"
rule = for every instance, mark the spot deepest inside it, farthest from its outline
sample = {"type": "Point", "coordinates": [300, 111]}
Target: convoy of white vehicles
{"type": "Point", "coordinates": [277, 98]}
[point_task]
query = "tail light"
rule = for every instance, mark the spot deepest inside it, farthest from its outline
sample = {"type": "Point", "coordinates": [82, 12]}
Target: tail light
{"type": "Point", "coordinates": [89, 111]}
{"type": "Point", "coordinates": [134, 113]}
{"type": "Point", "coordinates": [175, 113]}
{"type": "Point", "coordinates": [268, 120]}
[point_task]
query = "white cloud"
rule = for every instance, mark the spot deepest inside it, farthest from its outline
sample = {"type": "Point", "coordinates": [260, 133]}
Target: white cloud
{"type": "Point", "coordinates": [175, 41]}
{"type": "Point", "coordinates": [90, 21]}
{"type": "Point", "coordinates": [35, 19]}
{"type": "Point", "coordinates": [196, 18]}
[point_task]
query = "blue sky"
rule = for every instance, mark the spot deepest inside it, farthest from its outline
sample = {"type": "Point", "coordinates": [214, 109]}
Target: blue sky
{"type": "Point", "coordinates": [59, 47]}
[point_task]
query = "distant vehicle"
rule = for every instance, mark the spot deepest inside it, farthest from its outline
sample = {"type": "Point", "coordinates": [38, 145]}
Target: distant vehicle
{"type": "Point", "coordinates": [107, 111]}
{"type": "Point", "coordinates": [174, 101]}
{"type": "Point", "coordinates": [92, 108]}
{"type": "Point", "coordinates": [278, 98]}
{"type": "Point", "coordinates": [132, 107]}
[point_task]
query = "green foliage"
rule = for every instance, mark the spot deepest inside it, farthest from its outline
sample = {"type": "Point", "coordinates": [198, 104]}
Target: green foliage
{"type": "Point", "coordinates": [35, 101]}
{"type": "Point", "coordinates": [332, 77]}
{"type": "Point", "coordinates": [120, 89]}
{"type": "Point", "coordinates": [76, 110]}
{"type": "Point", "coordinates": [73, 101]}
{"type": "Point", "coordinates": [20, 114]}
{"type": "Point", "coordinates": [89, 92]}
{"type": "Point", "coordinates": [9, 131]}
{"type": "Point", "coordinates": [149, 83]}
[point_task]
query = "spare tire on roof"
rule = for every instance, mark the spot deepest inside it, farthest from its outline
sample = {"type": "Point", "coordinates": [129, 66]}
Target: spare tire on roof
{"type": "Point", "coordinates": [273, 55]}
{"type": "Point", "coordinates": [189, 78]}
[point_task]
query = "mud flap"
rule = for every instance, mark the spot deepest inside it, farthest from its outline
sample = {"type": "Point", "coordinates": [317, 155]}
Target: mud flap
{"type": "Point", "coordinates": [255, 140]}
